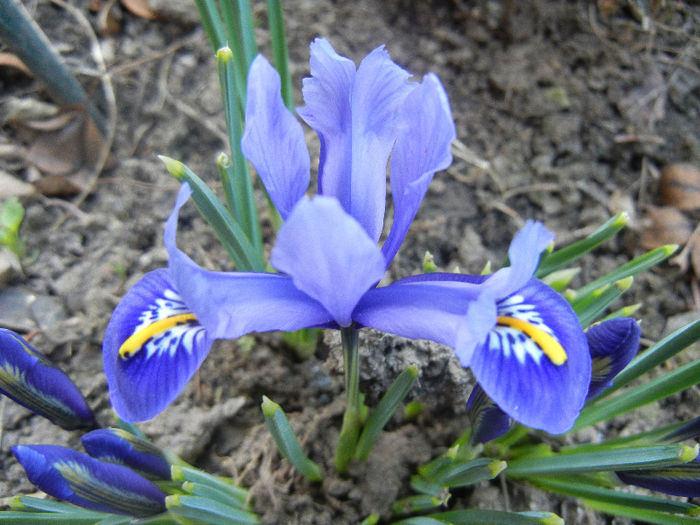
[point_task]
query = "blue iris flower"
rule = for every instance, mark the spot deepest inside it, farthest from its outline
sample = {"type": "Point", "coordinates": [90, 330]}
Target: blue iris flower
{"type": "Point", "coordinates": [326, 250]}
{"type": "Point", "coordinates": [520, 338]}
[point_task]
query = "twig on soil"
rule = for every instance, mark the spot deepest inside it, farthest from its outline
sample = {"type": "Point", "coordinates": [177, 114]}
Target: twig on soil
{"type": "Point", "coordinates": [462, 152]}
{"type": "Point", "coordinates": [110, 99]}
{"type": "Point", "coordinates": [69, 206]}
{"type": "Point", "coordinates": [195, 115]}
{"type": "Point", "coordinates": [531, 188]}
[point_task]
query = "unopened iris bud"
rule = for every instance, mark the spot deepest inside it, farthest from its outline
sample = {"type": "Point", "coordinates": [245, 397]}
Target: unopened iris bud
{"type": "Point", "coordinates": [30, 379]}
{"type": "Point", "coordinates": [612, 344]}
{"type": "Point", "coordinates": [487, 419]}
{"type": "Point", "coordinates": [79, 479]}
{"type": "Point", "coordinates": [677, 480]}
{"type": "Point", "coordinates": [119, 446]}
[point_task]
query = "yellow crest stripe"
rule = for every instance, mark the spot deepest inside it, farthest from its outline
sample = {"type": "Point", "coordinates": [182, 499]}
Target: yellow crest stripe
{"type": "Point", "coordinates": [550, 346]}
{"type": "Point", "coordinates": [136, 341]}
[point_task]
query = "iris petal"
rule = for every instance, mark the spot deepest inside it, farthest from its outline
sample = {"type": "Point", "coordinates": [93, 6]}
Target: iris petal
{"type": "Point", "coordinates": [418, 310]}
{"type": "Point", "coordinates": [232, 304]}
{"type": "Point", "coordinates": [524, 380]}
{"type": "Point", "coordinates": [524, 255]}
{"type": "Point", "coordinates": [115, 445]}
{"type": "Point", "coordinates": [355, 115]}
{"type": "Point", "coordinates": [273, 140]}
{"type": "Point", "coordinates": [153, 345]}
{"type": "Point", "coordinates": [328, 255]}
{"type": "Point", "coordinates": [612, 344]}
{"type": "Point", "coordinates": [422, 148]}
{"type": "Point", "coordinates": [30, 379]}
{"type": "Point", "coordinates": [79, 479]}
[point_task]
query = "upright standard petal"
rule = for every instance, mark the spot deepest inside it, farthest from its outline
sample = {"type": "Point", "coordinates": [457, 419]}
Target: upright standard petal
{"type": "Point", "coordinates": [79, 479]}
{"type": "Point", "coordinates": [30, 379]}
{"type": "Point", "coordinates": [115, 445]}
{"type": "Point", "coordinates": [273, 140]}
{"type": "Point", "coordinates": [535, 362]}
{"type": "Point", "coordinates": [612, 344]}
{"type": "Point", "coordinates": [153, 345]}
{"type": "Point", "coordinates": [422, 148]}
{"type": "Point", "coordinates": [328, 255]}
{"type": "Point", "coordinates": [524, 256]}
{"type": "Point", "coordinates": [355, 115]}
{"type": "Point", "coordinates": [232, 304]}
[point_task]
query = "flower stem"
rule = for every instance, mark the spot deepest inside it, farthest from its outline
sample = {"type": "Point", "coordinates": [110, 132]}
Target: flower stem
{"type": "Point", "coordinates": [350, 431]}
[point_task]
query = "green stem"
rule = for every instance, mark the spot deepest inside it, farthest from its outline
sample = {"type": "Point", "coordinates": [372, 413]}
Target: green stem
{"type": "Point", "coordinates": [350, 431]}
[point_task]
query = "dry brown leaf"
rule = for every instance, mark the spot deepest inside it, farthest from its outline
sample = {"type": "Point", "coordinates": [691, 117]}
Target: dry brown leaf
{"type": "Point", "coordinates": [664, 225]}
{"type": "Point", "coordinates": [65, 152]}
{"type": "Point", "coordinates": [10, 60]}
{"type": "Point", "coordinates": [680, 186]}
{"type": "Point", "coordinates": [139, 8]}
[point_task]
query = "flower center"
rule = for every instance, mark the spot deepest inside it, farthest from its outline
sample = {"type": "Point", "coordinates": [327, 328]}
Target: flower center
{"type": "Point", "coordinates": [139, 338]}
{"type": "Point", "coordinates": [548, 344]}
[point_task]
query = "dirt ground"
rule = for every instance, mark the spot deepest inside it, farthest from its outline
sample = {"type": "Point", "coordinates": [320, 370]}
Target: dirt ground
{"type": "Point", "coordinates": [566, 112]}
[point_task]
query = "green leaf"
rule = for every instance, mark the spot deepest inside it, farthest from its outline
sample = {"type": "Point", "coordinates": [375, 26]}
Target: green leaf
{"type": "Point", "coordinates": [619, 459]}
{"type": "Point", "coordinates": [228, 231]}
{"type": "Point", "coordinates": [211, 21]}
{"type": "Point", "coordinates": [216, 483]}
{"type": "Point", "coordinates": [417, 503]}
{"type": "Point", "coordinates": [286, 440]}
{"type": "Point", "coordinates": [581, 488]}
{"type": "Point", "coordinates": [69, 518]}
{"type": "Point", "coordinates": [12, 214]}
{"type": "Point", "coordinates": [631, 268]}
{"type": "Point", "coordinates": [565, 256]}
{"type": "Point", "coordinates": [209, 511]}
{"type": "Point", "coordinates": [642, 515]}
{"type": "Point", "coordinates": [275, 15]}
{"type": "Point", "coordinates": [384, 410]}
{"type": "Point", "coordinates": [590, 307]}
{"type": "Point", "coordinates": [462, 473]}
{"type": "Point", "coordinates": [653, 390]}
{"type": "Point", "coordinates": [490, 517]}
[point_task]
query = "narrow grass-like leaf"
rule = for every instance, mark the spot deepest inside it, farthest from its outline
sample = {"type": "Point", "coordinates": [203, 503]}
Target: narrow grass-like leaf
{"type": "Point", "coordinates": [653, 390]}
{"type": "Point", "coordinates": [417, 503]}
{"type": "Point", "coordinates": [471, 472]}
{"type": "Point", "coordinates": [561, 258]}
{"type": "Point", "coordinates": [489, 517]}
{"type": "Point", "coordinates": [212, 493]}
{"type": "Point", "coordinates": [590, 307]}
{"type": "Point", "coordinates": [209, 511]}
{"type": "Point", "coordinates": [620, 459]}
{"type": "Point", "coordinates": [275, 15]}
{"type": "Point", "coordinates": [625, 311]}
{"type": "Point", "coordinates": [631, 268]}
{"type": "Point", "coordinates": [68, 518]}
{"type": "Point", "coordinates": [286, 440]}
{"type": "Point", "coordinates": [23, 503]}
{"type": "Point", "coordinates": [641, 515]}
{"type": "Point", "coordinates": [425, 486]}
{"type": "Point", "coordinates": [228, 231]}
{"type": "Point", "coordinates": [384, 410]}
{"type": "Point", "coordinates": [201, 478]}
{"type": "Point", "coordinates": [211, 21]}
{"type": "Point", "coordinates": [655, 355]}
{"type": "Point", "coordinates": [580, 488]}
